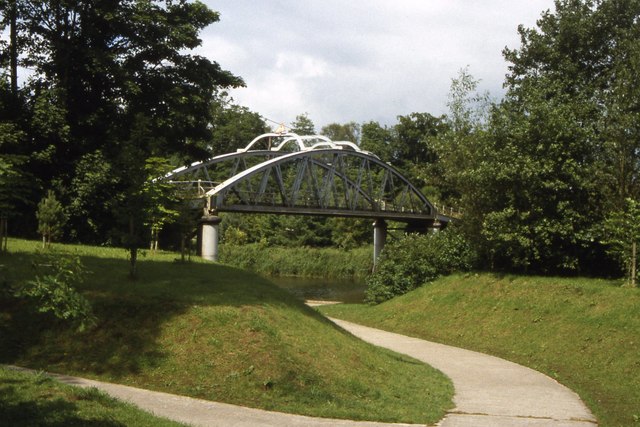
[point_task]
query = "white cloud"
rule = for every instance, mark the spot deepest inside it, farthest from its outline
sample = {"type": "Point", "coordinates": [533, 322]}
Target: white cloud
{"type": "Point", "coordinates": [301, 66]}
{"type": "Point", "coordinates": [364, 59]}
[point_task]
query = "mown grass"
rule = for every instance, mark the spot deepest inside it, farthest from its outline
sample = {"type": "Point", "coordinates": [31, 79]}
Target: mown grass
{"type": "Point", "coordinates": [583, 332]}
{"type": "Point", "coordinates": [28, 399]}
{"type": "Point", "coordinates": [303, 262]}
{"type": "Point", "coordinates": [219, 333]}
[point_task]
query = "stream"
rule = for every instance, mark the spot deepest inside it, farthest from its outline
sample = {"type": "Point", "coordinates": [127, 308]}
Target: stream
{"type": "Point", "coordinates": [321, 289]}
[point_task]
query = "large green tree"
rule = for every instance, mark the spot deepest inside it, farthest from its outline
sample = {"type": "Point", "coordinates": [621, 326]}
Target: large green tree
{"type": "Point", "coordinates": [342, 132]}
{"type": "Point", "coordinates": [233, 126]}
{"type": "Point", "coordinates": [303, 125]}
{"type": "Point", "coordinates": [102, 71]}
{"type": "Point", "coordinates": [17, 186]}
{"type": "Point", "coordinates": [377, 139]}
{"type": "Point", "coordinates": [561, 150]}
{"type": "Point", "coordinates": [587, 53]}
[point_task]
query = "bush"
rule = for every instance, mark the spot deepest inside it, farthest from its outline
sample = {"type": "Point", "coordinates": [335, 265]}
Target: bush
{"type": "Point", "coordinates": [417, 259]}
{"type": "Point", "coordinates": [51, 218]}
{"type": "Point", "coordinates": [54, 290]}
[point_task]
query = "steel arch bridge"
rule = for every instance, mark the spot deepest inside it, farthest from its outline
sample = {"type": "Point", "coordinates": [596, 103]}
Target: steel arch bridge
{"type": "Point", "coordinates": [309, 175]}
{"type": "Point", "coordinates": [305, 175]}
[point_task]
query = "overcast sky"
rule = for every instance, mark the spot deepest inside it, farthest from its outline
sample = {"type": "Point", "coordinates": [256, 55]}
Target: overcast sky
{"type": "Point", "coordinates": [361, 60]}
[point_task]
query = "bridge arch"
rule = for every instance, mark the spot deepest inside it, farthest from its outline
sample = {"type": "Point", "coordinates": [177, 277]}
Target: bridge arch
{"type": "Point", "coordinates": [324, 182]}
{"type": "Point", "coordinates": [307, 175]}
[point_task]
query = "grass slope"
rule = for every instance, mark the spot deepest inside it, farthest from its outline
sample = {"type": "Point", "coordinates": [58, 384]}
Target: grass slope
{"type": "Point", "coordinates": [583, 332]}
{"type": "Point", "coordinates": [218, 333]}
{"type": "Point", "coordinates": [37, 400]}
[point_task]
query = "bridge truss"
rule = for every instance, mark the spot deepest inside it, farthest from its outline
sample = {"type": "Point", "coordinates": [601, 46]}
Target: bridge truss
{"type": "Point", "coordinates": [310, 175]}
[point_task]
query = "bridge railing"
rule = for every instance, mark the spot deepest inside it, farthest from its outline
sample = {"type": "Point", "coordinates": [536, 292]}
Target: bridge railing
{"type": "Point", "coordinates": [449, 211]}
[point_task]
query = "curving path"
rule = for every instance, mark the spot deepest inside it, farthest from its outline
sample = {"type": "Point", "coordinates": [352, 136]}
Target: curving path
{"type": "Point", "coordinates": [489, 392]}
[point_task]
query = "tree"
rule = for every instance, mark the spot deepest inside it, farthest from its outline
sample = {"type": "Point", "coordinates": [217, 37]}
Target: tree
{"type": "Point", "coordinates": [97, 67]}
{"type": "Point", "coordinates": [51, 218]}
{"type": "Point", "coordinates": [303, 125]}
{"type": "Point", "coordinates": [142, 204]}
{"type": "Point", "coordinates": [16, 184]}
{"type": "Point", "coordinates": [342, 132]}
{"type": "Point", "coordinates": [160, 199]}
{"type": "Point", "coordinates": [566, 107]}
{"type": "Point", "coordinates": [622, 233]}
{"type": "Point", "coordinates": [466, 156]}
{"type": "Point", "coordinates": [537, 176]}
{"type": "Point", "coordinates": [415, 136]}
{"type": "Point", "coordinates": [414, 150]}
{"type": "Point", "coordinates": [233, 126]}
{"type": "Point", "coordinates": [378, 140]}
{"type": "Point", "coordinates": [589, 50]}
{"type": "Point", "coordinates": [187, 222]}
{"type": "Point", "coordinates": [12, 180]}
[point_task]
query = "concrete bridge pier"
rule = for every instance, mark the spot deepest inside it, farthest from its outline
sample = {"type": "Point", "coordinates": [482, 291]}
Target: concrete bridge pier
{"type": "Point", "coordinates": [210, 233]}
{"type": "Point", "coordinates": [379, 238]}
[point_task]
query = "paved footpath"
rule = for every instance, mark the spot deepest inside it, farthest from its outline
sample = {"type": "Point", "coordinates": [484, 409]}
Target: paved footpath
{"type": "Point", "coordinates": [489, 392]}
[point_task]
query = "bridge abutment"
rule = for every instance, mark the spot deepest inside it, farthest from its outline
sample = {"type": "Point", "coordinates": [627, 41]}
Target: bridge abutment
{"type": "Point", "coordinates": [210, 232]}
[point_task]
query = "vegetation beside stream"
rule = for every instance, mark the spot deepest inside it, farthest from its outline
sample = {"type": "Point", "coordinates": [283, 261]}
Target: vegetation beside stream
{"type": "Point", "coordinates": [300, 261]}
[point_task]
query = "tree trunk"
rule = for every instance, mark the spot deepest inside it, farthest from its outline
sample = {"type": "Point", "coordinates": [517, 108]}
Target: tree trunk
{"type": "Point", "coordinates": [182, 245]}
{"type": "Point", "coordinates": [133, 249]}
{"type": "Point", "coordinates": [13, 46]}
{"type": "Point", "coordinates": [4, 234]}
{"type": "Point", "coordinates": [133, 253]}
{"type": "Point", "coordinates": [633, 264]}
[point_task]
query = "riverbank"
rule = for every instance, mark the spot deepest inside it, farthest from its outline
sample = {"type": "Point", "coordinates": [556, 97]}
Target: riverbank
{"type": "Point", "coordinates": [349, 291]}
{"type": "Point", "coordinates": [354, 264]}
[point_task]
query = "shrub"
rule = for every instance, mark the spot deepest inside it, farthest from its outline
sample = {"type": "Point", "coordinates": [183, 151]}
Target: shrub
{"type": "Point", "coordinates": [54, 290]}
{"type": "Point", "coordinates": [51, 218]}
{"type": "Point", "coordinates": [417, 259]}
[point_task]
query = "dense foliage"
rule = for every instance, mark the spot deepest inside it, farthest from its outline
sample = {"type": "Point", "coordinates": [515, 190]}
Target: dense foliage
{"type": "Point", "coordinates": [417, 259]}
{"type": "Point", "coordinates": [111, 85]}
{"type": "Point", "coordinates": [114, 86]}
{"type": "Point", "coordinates": [538, 173]}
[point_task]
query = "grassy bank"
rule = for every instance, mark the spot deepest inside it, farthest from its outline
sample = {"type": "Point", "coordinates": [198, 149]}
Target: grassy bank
{"type": "Point", "coordinates": [583, 332]}
{"type": "Point", "coordinates": [37, 400]}
{"type": "Point", "coordinates": [215, 332]}
{"type": "Point", "coordinates": [303, 262]}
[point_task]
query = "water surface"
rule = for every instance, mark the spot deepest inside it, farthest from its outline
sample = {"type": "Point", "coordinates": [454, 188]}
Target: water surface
{"type": "Point", "coordinates": [305, 288]}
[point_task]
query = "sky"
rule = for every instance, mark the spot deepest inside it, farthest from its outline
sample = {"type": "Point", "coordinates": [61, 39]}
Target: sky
{"type": "Point", "coordinates": [362, 60]}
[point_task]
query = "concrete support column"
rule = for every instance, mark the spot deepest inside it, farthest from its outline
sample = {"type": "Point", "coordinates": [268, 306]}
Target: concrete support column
{"type": "Point", "coordinates": [379, 239]}
{"type": "Point", "coordinates": [210, 236]}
